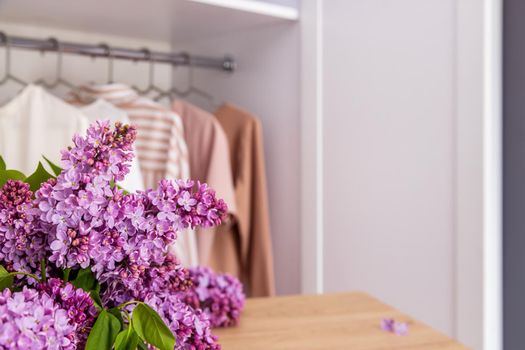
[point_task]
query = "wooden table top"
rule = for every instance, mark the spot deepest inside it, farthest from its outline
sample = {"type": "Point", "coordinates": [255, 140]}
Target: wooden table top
{"type": "Point", "coordinates": [331, 321]}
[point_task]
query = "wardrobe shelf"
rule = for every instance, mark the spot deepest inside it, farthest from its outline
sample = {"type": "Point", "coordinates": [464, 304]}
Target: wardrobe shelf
{"type": "Point", "coordinates": [161, 20]}
{"type": "Point", "coordinates": [256, 7]}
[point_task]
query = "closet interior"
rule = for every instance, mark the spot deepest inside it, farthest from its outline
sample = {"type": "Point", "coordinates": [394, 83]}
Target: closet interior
{"type": "Point", "coordinates": [241, 57]}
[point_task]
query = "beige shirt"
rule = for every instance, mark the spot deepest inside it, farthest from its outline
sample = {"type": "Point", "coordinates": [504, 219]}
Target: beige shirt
{"type": "Point", "coordinates": [161, 148]}
{"type": "Point", "coordinates": [244, 248]}
{"type": "Point", "coordinates": [209, 157]}
{"type": "Point", "coordinates": [36, 123]}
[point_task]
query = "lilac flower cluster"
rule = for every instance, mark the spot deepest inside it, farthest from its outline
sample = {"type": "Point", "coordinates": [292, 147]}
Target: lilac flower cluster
{"type": "Point", "coordinates": [80, 308]}
{"type": "Point", "coordinates": [21, 243]}
{"type": "Point", "coordinates": [79, 204]}
{"type": "Point", "coordinates": [220, 296]}
{"type": "Point", "coordinates": [191, 327]}
{"type": "Point", "coordinates": [32, 320]}
{"type": "Point", "coordinates": [170, 277]}
{"type": "Point", "coordinates": [103, 152]}
{"type": "Point", "coordinates": [93, 223]}
{"type": "Point", "coordinates": [393, 326]}
{"type": "Point", "coordinates": [82, 219]}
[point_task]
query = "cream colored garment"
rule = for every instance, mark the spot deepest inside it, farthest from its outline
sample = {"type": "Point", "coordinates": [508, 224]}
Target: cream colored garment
{"type": "Point", "coordinates": [36, 123]}
{"type": "Point", "coordinates": [103, 110]}
{"type": "Point", "coordinates": [161, 148]}
{"type": "Point", "coordinates": [209, 156]}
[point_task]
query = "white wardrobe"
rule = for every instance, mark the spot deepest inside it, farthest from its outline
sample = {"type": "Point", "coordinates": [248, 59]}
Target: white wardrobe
{"type": "Point", "coordinates": [377, 123]}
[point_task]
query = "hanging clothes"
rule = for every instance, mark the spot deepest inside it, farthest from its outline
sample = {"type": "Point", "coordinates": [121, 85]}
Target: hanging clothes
{"type": "Point", "coordinates": [103, 110]}
{"type": "Point", "coordinates": [209, 157]}
{"type": "Point", "coordinates": [160, 144]}
{"type": "Point", "coordinates": [245, 247]}
{"type": "Point", "coordinates": [36, 123]}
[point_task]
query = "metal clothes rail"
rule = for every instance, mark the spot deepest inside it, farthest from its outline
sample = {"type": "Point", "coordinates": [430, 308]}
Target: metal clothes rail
{"type": "Point", "coordinates": [226, 63]}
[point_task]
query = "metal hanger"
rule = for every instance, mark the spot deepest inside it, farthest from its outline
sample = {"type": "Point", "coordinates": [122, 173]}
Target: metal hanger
{"type": "Point", "coordinates": [109, 55]}
{"type": "Point", "coordinates": [191, 90]}
{"type": "Point", "coordinates": [8, 76]}
{"type": "Point", "coordinates": [173, 91]}
{"type": "Point", "coordinates": [151, 78]}
{"type": "Point", "coordinates": [58, 77]}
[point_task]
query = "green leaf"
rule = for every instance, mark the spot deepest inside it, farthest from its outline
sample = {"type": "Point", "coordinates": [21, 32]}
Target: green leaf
{"type": "Point", "coordinates": [150, 328]}
{"type": "Point", "coordinates": [113, 184]}
{"type": "Point", "coordinates": [141, 345]}
{"type": "Point", "coordinates": [40, 175]}
{"type": "Point", "coordinates": [95, 295]}
{"type": "Point", "coordinates": [127, 340]}
{"type": "Point", "coordinates": [10, 175]}
{"type": "Point", "coordinates": [65, 274]}
{"type": "Point", "coordinates": [6, 281]}
{"type": "Point", "coordinates": [56, 169]}
{"type": "Point", "coordinates": [104, 332]}
{"type": "Point", "coordinates": [118, 314]}
{"type": "Point", "coordinates": [2, 164]}
{"type": "Point", "coordinates": [85, 279]}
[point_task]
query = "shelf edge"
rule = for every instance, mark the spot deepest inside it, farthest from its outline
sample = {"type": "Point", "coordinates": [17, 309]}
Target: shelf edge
{"type": "Point", "coordinates": [257, 7]}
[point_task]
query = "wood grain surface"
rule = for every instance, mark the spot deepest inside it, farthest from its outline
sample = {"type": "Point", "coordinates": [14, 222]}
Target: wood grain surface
{"type": "Point", "coordinates": [329, 321]}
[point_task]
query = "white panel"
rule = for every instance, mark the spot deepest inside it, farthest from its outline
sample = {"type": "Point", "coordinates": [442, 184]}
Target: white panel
{"type": "Point", "coordinates": [312, 147]}
{"type": "Point", "coordinates": [469, 179]}
{"type": "Point", "coordinates": [492, 176]}
{"type": "Point", "coordinates": [389, 176]}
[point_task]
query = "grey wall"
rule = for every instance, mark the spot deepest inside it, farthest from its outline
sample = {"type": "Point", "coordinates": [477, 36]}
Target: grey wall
{"type": "Point", "coordinates": [514, 174]}
{"type": "Point", "coordinates": [389, 122]}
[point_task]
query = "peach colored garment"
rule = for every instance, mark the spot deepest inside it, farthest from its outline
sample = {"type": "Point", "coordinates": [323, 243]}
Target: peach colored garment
{"type": "Point", "coordinates": [209, 158]}
{"type": "Point", "coordinates": [245, 248]}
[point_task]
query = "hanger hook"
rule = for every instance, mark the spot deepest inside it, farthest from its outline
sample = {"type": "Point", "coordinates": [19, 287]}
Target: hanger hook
{"type": "Point", "coordinates": [187, 60]}
{"type": "Point", "coordinates": [149, 58]}
{"type": "Point", "coordinates": [109, 55]}
{"type": "Point", "coordinates": [58, 48]}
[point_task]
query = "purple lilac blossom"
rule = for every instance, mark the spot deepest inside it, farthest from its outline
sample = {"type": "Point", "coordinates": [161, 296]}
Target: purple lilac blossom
{"type": "Point", "coordinates": [191, 327]}
{"type": "Point", "coordinates": [123, 238]}
{"type": "Point", "coordinates": [79, 204]}
{"type": "Point", "coordinates": [393, 326]}
{"type": "Point", "coordinates": [80, 308]}
{"type": "Point", "coordinates": [21, 242]}
{"type": "Point", "coordinates": [220, 296]}
{"type": "Point", "coordinates": [93, 223]}
{"type": "Point", "coordinates": [170, 277]}
{"type": "Point", "coordinates": [401, 328]}
{"type": "Point", "coordinates": [32, 320]}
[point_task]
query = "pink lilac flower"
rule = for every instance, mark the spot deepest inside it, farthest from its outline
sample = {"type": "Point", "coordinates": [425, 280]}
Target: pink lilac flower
{"type": "Point", "coordinates": [80, 308]}
{"type": "Point", "coordinates": [220, 296]}
{"type": "Point", "coordinates": [21, 242]}
{"type": "Point", "coordinates": [82, 220]}
{"type": "Point", "coordinates": [32, 320]}
{"type": "Point", "coordinates": [393, 326]}
{"type": "Point", "coordinates": [170, 277]}
{"type": "Point", "coordinates": [93, 223]}
{"type": "Point", "coordinates": [191, 327]}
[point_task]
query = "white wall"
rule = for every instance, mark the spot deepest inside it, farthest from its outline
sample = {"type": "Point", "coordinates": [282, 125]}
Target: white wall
{"type": "Point", "coordinates": [389, 152]}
